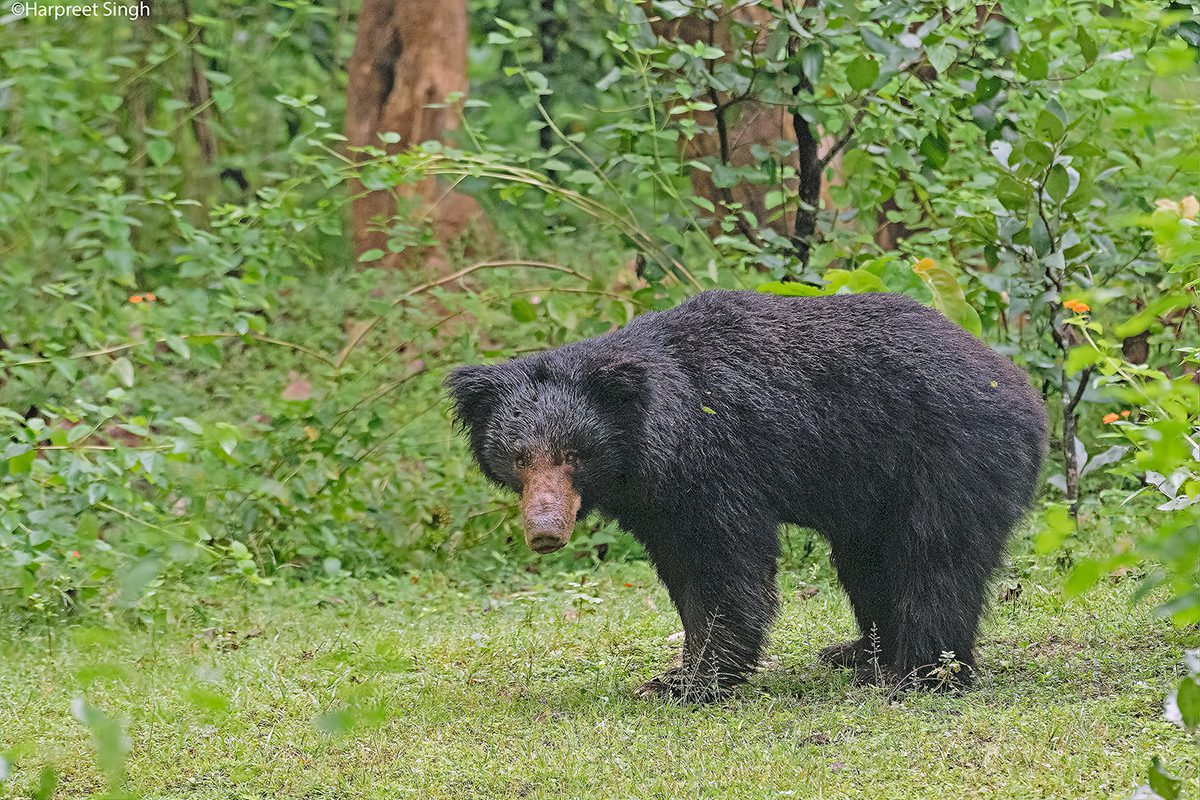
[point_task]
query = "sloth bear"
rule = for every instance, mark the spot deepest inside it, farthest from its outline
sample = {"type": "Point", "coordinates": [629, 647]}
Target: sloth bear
{"type": "Point", "coordinates": [906, 442]}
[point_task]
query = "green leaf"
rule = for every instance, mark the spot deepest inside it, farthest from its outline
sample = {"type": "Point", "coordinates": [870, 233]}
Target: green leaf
{"type": "Point", "coordinates": [725, 176]}
{"type": "Point", "coordinates": [160, 151]}
{"type": "Point", "coordinates": [862, 72]}
{"type": "Point", "coordinates": [582, 176]}
{"type": "Point", "coordinates": [1164, 784]}
{"type": "Point", "coordinates": [1149, 315]}
{"type": "Point", "coordinates": [124, 371]}
{"type": "Point", "coordinates": [983, 116]}
{"type": "Point", "coordinates": [1039, 237]}
{"type": "Point", "coordinates": [67, 367]}
{"type": "Point", "coordinates": [179, 346]}
{"type": "Point", "coordinates": [46, 784]}
{"type": "Point", "coordinates": [936, 150]}
{"type": "Point", "coordinates": [1187, 698]}
{"type": "Point", "coordinates": [948, 296]}
{"type": "Point", "coordinates": [227, 437]}
{"type": "Point", "coordinates": [136, 578]}
{"type": "Point", "coordinates": [1087, 45]}
{"type": "Point", "coordinates": [942, 56]}
{"type": "Point", "coordinates": [1082, 578]}
{"type": "Point", "coordinates": [857, 281]}
{"type": "Point", "coordinates": [1081, 357]}
{"type": "Point", "coordinates": [610, 77]}
{"type": "Point", "coordinates": [812, 61]}
{"type": "Point", "coordinates": [374, 254]}
{"type": "Point", "coordinates": [108, 736]}
{"type": "Point", "coordinates": [1035, 65]}
{"type": "Point", "coordinates": [1058, 183]}
{"type": "Point", "coordinates": [1057, 525]}
{"type": "Point", "coordinates": [22, 461]}
{"type": "Point", "coordinates": [523, 310]}
{"type": "Point", "coordinates": [1012, 193]}
{"type": "Point", "coordinates": [207, 700]}
{"type": "Point", "coordinates": [190, 425]}
{"type": "Point", "coordinates": [790, 289]}
{"type": "Point", "coordinates": [1038, 153]}
{"type": "Point", "coordinates": [988, 87]}
{"type": "Point", "coordinates": [1050, 126]}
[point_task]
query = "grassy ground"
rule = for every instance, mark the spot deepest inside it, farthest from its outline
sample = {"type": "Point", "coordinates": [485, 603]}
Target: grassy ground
{"type": "Point", "coordinates": [428, 689]}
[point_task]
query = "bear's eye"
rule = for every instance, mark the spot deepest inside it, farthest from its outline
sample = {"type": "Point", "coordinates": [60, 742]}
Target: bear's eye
{"type": "Point", "coordinates": [521, 460]}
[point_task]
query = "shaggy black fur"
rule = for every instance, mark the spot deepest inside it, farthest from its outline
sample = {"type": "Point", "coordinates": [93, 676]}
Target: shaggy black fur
{"type": "Point", "coordinates": [905, 441]}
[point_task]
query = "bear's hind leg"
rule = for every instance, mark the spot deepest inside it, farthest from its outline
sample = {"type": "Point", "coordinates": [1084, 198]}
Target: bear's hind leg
{"type": "Point", "coordinates": [864, 577]}
{"type": "Point", "coordinates": [939, 600]}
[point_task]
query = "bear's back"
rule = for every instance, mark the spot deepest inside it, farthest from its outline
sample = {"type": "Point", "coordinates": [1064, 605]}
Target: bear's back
{"type": "Point", "coordinates": [868, 377]}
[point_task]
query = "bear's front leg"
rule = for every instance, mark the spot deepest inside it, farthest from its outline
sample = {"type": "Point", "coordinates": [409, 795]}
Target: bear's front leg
{"type": "Point", "coordinates": [724, 590]}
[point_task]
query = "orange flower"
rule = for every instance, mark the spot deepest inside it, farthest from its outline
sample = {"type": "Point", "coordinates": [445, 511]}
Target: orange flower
{"type": "Point", "coordinates": [1077, 306]}
{"type": "Point", "coordinates": [1110, 418]}
{"type": "Point", "coordinates": [136, 298]}
{"type": "Point", "coordinates": [150, 297]}
{"type": "Point", "coordinates": [924, 265]}
{"type": "Point", "coordinates": [1125, 413]}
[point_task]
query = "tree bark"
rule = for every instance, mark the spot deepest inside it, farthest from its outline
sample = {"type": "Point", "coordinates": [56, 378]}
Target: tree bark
{"type": "Point", "coordinates": [549, 31]}
{"type": "Point", "coordinates": [1070, 404]}
{"type": "Point", "coordinates": [407, 55]}
{"type": "Point", "coordinates": [808, 193]}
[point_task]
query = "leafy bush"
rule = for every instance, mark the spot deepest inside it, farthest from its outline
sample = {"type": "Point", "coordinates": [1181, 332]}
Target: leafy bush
{"type": "Point", "coordinates": [196, 382]}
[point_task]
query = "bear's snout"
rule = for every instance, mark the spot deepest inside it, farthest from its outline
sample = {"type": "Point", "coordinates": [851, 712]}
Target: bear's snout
{"type": "Point", "coordinates": [549, 504]}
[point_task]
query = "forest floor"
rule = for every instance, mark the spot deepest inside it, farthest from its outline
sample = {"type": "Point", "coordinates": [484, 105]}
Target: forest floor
{"type": "Point", "coordinates": [432, 688]}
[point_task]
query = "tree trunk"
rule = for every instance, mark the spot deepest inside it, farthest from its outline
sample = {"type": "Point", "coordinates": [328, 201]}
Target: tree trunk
{"type": "Point", "coordinates": [407, 55]}
{"type": "Point", "coordinates": [808, 192]}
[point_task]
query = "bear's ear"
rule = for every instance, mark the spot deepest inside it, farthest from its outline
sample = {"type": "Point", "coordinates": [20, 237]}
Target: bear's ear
{"type": "Point", "coordinates": [617, 379]}
{"type": "Point", "coordinates": [474, 390]}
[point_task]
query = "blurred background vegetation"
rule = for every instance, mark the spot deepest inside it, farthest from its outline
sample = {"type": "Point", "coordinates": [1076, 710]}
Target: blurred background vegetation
{"type": "Point", "coordinates": [224, 322]}
{"type": "Point", "coordinates": [242, 241]}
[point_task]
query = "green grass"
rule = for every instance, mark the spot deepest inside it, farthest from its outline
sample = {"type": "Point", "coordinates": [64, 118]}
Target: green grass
{"type": "Point", "coordinates": [435, 689]}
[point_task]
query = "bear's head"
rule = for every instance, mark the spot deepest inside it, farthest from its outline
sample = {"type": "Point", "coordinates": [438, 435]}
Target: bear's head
{"type": "Point", "coordinates": [554, 428]}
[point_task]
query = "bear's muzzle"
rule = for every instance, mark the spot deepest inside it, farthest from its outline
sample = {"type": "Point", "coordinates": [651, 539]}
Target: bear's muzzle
{"type": "Point", "coordinates": [549, 504]}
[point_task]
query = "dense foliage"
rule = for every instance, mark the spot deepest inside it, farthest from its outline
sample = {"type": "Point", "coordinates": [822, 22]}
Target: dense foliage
{"type": "Point", "coordinates": [196, 380]}
{"type": "Point", "coordinates": [198, 383]}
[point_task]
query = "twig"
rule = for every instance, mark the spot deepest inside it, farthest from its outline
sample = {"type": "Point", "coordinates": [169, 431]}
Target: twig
{"type": "Point", "coordinates": [120, 348]}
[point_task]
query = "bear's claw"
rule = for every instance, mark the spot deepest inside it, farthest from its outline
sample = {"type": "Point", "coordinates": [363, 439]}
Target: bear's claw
{"type": "Point", "coordinates": [843, 654]}
{"type": "Point", "coordinates": [674, 685]}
